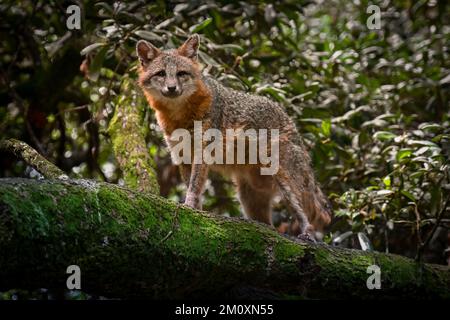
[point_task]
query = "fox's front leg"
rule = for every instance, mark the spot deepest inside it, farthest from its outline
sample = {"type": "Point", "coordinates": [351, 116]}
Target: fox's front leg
{"type": "Point", "coordinates": [185, 171]}
{"type": "Point", "coordinates": [197, 180]}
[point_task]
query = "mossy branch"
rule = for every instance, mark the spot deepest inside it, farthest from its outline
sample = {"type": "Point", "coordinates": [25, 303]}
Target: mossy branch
{"type": "Point", "coordinates": [126, 133]}
{"type": "Point", "coordinates": [134, 245]}
{"type": "Point", "coordinates": [26, 153]}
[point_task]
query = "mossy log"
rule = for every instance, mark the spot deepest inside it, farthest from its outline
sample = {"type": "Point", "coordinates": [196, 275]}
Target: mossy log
{"type": "Point", "coordinates": [134, 245]}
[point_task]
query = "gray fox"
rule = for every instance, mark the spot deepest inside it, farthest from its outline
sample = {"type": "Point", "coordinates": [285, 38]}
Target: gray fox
{"type": "Point", "coordinates": [179, 94]}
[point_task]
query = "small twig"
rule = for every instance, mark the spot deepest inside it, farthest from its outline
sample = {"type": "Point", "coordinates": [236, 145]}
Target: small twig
{"type": "Point", "coordinates": [433, 231]}
{"type": "Point", "coordinates": [60, 112]}
{"type": "Point", "coordinates": [26, 153]}
{"type": "Point", "coordinates": [418, 233]}
{"type": "Point", "coordinates": [167, 236]}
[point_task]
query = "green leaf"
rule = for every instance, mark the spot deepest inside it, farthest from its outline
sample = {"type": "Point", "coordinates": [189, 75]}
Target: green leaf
{"type": "Point", "coordinates": [403, 153]}
{"type": "Point", "coordinates": [208, 60]}
{"type": "Point", "coordinates": [422, 143]}
{"type": "Point", "coordinates": [200, 26]}
{"type": "Point", "coordinates": [342, 237]}
{"type": "Point", "coordinates": [148, 35]}
{"type": "Point", "coordinates": [384, 192]}
{"type": "Point", "coordinates": [409, 195]}
{"type": "Point", "coordinates": [387, 181]}
{"type": "Point", "coordinates": [421, 151]}
{"type": "Point", "coordinates": [105, 6]}
{"type": "Point", "coordinates": [336, 55]}
{"type": "Point", "coordinates": [311, 120]}
{"type": "Point", "coordinates": [384, 135]}
{"type": "Point", "coordinates": [92, 47]}
{"type": "Point", "coordinates": [440, 137]}
{"type": "Point", "coordinates": [430, 126]}
{"type": "Point", "coordinates": [364, 242]}
{"type": "Point", "coordinates": [421, 159]}
{"type": "Point", "coordinates": [326, 127]}
{"type": "Point", "coordinates": [417, 174]}
{"type": "Point", "coordinates": [229, 46]}
{"type": "Point", "coordinates": [342, 213]}
{"type": "Point", "coordinates": [276, 93]}
{"type": "Point", "coordinates": [97, 63]}
{"type": "Point", "coordinates": [181, 7]}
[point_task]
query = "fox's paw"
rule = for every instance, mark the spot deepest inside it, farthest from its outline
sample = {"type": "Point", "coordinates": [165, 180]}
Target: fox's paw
{"type": "Point", "coordinates": [306, 237]}
{"type": "Point", "coordinates": [193, 202]}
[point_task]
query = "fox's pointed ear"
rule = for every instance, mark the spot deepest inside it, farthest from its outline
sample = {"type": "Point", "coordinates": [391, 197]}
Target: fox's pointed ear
{"type": "Point", "coordinates": [146, 52]}
{"type": "Point", "coordinates": [189, 49]}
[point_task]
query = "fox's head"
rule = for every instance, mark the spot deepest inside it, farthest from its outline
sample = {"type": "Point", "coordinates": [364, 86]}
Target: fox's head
{"type": "Point", "coordinates": [170, 74]}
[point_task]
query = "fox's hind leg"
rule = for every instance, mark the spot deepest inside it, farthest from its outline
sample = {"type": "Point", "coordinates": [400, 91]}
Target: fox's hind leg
{"type": "Point", "coordinates": [294, 179]}
{"type": "Point", "coordinates": [255, 193]}
{"type": "Point", "coordinates": [288, 189]}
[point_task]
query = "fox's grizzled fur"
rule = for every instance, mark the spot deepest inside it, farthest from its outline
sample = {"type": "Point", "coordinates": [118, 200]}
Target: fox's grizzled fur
{"type": "Point", "coordinates": [175, 88]}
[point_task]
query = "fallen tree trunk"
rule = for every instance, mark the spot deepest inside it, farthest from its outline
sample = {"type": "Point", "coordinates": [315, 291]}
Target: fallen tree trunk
{"type": "Point", "coordinates": [134, 245]}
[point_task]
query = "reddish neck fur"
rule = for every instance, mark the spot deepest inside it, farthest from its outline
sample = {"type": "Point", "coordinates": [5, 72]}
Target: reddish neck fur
{"type": "Point", "coordinates": [171, 117]}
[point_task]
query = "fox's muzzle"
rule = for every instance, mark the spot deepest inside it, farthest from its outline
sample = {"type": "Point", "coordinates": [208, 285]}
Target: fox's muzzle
{"type": "Point", "coordinates": [172, 91]}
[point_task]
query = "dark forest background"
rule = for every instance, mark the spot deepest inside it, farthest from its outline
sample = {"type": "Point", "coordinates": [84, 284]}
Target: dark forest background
{"type": "Point", "coordinates": [372, 105]}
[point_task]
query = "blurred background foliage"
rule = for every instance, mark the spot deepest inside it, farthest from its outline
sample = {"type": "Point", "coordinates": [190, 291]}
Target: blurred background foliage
{"type": "Point", "coordinates": [372, 105]}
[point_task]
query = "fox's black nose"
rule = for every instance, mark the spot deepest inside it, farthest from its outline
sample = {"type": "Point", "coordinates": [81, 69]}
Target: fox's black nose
{"type": "Point", "coordinates": [171, 91]}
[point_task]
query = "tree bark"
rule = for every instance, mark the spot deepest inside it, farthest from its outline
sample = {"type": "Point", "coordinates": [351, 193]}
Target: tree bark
{"type": "Point", "coordinates": [126, 132]}
{"type": "Point", "coordinates": [134, 245]}
{"type": "Point", "coordinates": [26, 153]}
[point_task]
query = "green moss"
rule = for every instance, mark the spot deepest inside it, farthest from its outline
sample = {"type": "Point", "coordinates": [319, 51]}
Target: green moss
{"type": "Point", "coordinates": [362, 260]}
{"type": "Point", "coordinates": [285, 250]}
{"type": "Point", "coordinates": [397, 271]}
{"type": "Point", "coordinates": [171, 248]}
{"type": "Point", "coordinates": [30, 217]}
{"type": "Point", "coordinates": [128, 141]}
{"type": "Point", "coordinates": [115, 202]}
{"type": "Point", "coordinates": [340, 267]}
{"type": "Point", "coordinates": [438, 280]}
{"type": "Point", "coordinates": [23, 151]}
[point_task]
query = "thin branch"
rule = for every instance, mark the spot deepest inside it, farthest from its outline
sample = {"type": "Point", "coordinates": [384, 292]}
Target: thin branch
{"type": "Point", "coordinates": [418, 233]}
{"type": "Point", "coordinates": [26, 153]}
{"type": "Point", "coordinates": [60, 112]}
{"type": "Point", "coordinates": [433, 231]}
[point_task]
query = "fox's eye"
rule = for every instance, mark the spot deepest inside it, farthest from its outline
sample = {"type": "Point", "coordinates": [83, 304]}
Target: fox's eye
{"type": "Point", "coordinates": [147, 82]}
{"type": "Point", "coordinates": [162, 73]}
{"type": "Point", "coordinates": [182, 73]}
